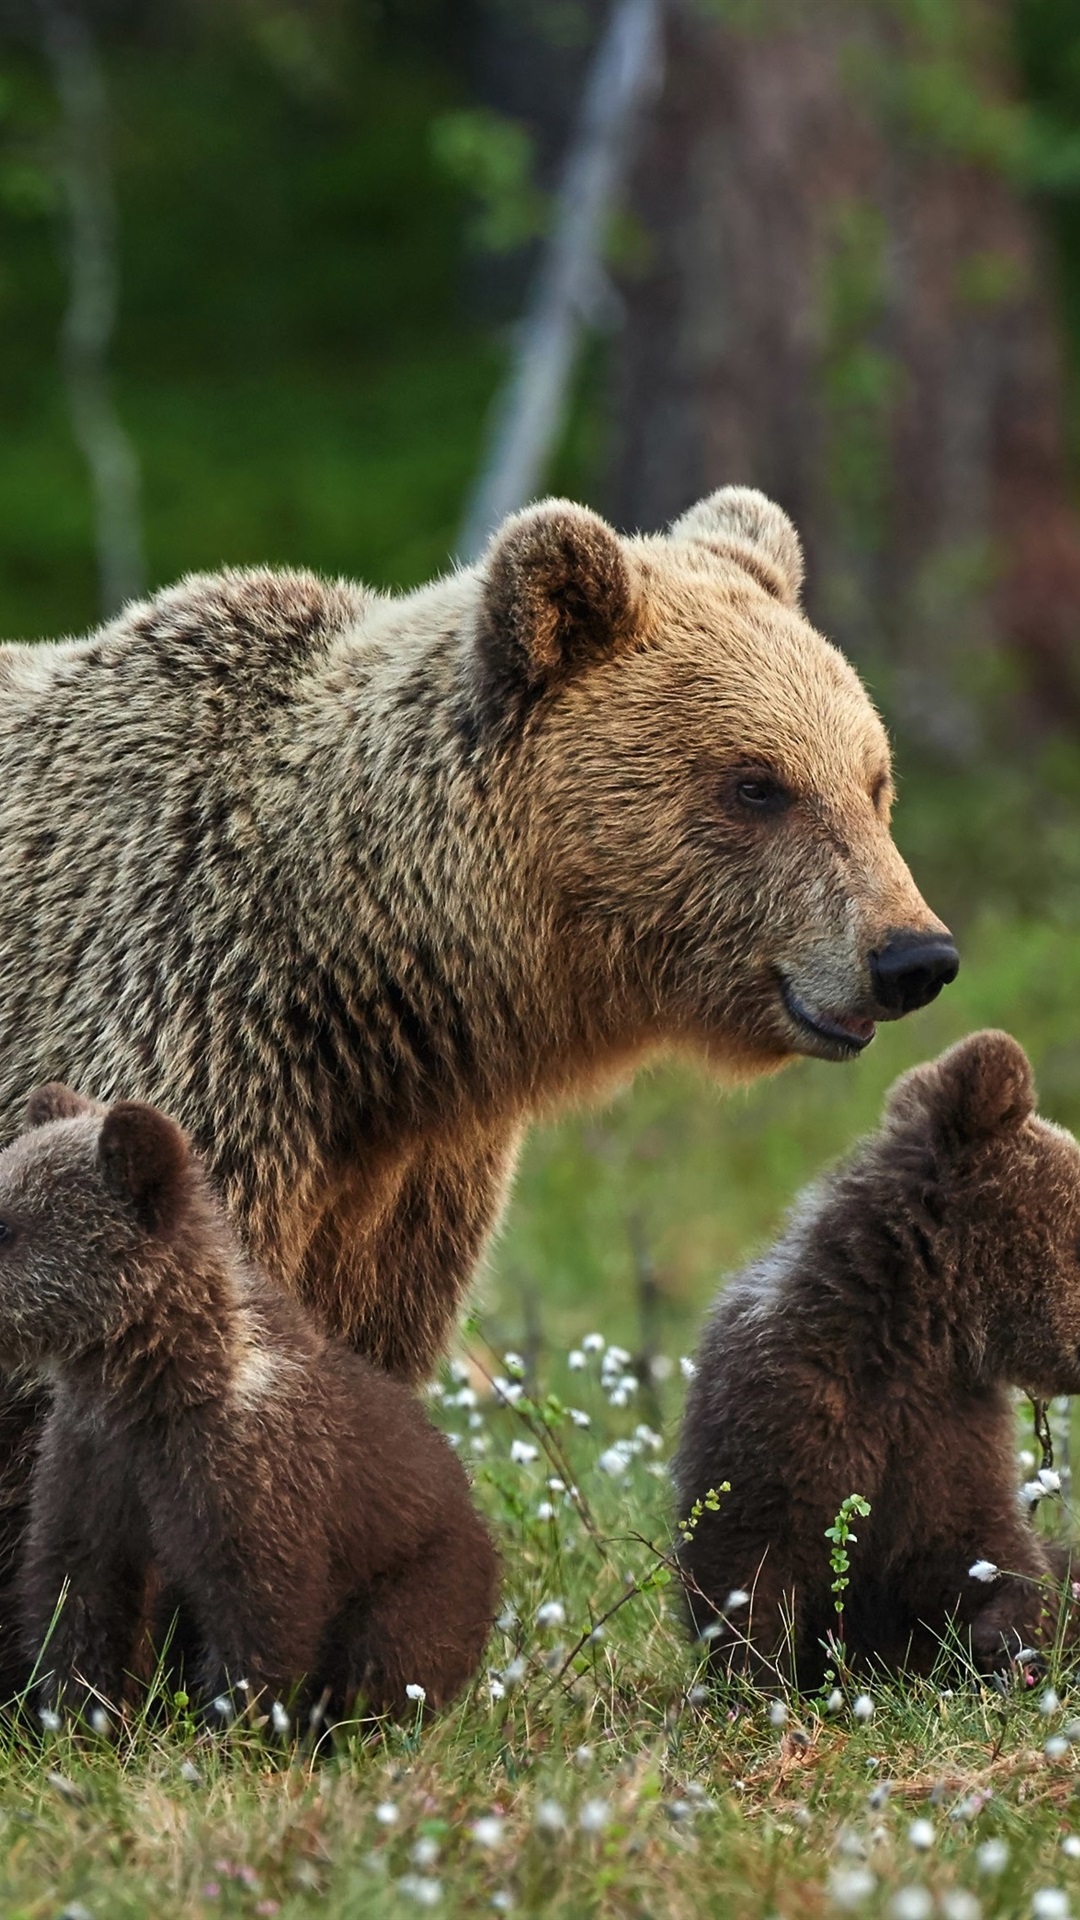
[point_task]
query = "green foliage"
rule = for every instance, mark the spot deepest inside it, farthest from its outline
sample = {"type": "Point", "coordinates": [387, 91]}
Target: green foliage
{"type": "Point", "coordinates": [842, 1538]}
{"type": "Point", "coordinates": [708, 1503]}
{"type": "Point", "coordinates": [492, 156]}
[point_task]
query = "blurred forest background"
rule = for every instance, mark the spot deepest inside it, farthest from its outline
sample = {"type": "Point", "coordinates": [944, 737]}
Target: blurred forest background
{"type": "Point", "coordinates": [844, 266]}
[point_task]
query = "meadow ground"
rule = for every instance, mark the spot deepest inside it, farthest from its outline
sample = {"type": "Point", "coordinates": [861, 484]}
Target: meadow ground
{"type": "Point", "coordinates": [587, 1772]}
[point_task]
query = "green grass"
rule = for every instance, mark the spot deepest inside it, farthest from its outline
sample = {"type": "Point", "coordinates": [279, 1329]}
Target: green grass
{"type": "Point", "coordinates": [615, 1786]}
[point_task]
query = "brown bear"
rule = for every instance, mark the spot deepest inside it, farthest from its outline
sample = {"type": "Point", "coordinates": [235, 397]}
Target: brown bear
{"type": "Point", "coordinates": [311, 1523]}
{"type": "Point", "coordinates": [871, 1351]}
{"type": "Point", "coordinates": [353, 886]}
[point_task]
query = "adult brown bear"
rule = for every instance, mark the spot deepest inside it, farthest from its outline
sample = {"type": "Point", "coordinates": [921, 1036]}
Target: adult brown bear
{"type": "Point", "coordinates": [354, 885]}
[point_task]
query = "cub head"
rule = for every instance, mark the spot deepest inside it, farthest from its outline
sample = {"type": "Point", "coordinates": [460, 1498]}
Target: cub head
{"type": "Point", "coordinates": [89, 1194]}
{"type": "Point", "coordinates": [702, 782]}
{"type": "Point", "coordinates": [1005, 1186]}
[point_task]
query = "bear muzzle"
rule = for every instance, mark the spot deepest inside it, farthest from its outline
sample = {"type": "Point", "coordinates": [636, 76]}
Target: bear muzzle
{"type": "Point", "coordinates": [910, 970]}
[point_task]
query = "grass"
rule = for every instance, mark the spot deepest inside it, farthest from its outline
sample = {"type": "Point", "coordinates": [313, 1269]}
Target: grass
{"type": "Point", "coordinates": [584, 1775]}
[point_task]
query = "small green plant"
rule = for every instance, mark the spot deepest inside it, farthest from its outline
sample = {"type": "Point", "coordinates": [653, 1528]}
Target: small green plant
{"type": "Point", "coordinates": [842, 1538]}
{"type": "Point", "coordinates": [708, 1503]}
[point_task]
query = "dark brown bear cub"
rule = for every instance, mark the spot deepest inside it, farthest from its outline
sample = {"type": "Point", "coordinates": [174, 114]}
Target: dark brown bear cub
{"type": "Point", "coordinates": [311, 1522]}
{"type": "Point", "coordinates": [872, 1352]}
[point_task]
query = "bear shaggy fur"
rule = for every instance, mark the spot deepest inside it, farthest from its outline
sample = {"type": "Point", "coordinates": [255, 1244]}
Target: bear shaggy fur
{"type": "Point", "coordinates": [872, 1351]}
{"type": "Point", "coordinates": [298, 1505]}
{"type": "Point", "coordinates": [353, 886]}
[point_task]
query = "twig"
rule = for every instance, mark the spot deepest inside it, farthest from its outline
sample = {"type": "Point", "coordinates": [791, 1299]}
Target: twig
{"type": "Point", "coordinates": [91, 312]}
{"type": "Point", "coordinates": [529, 411]}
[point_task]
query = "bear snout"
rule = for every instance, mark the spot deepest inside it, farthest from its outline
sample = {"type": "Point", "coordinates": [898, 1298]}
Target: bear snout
{"type": "Point", "coordinates": [910, 970]}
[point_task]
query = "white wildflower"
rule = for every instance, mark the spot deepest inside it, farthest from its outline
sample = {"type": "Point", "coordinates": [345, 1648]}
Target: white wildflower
{"type": "Point", "coordinates": [579, 1417]}
{"type": "Point", "coordinates": [835, 1701]}
{"type": "Point", "coordinates": [911, 1903]}
{"type": "Point", "coordinates": [503, 1901]}
{"type": "Point", "coordinates": [279, 1719]}
{"type": "Point", "coordinates": [515, 1670]}
{"type": "Point", "coordinates": [100, 1723]}
{"type": "Point", "coordinates": [224, 1709]}
{"type": "Point", "coordinates": [1026, 1459]}
{"type": "Point", "coordinates": [466, 1398]}
{"type": "Point", "coordinates": [778, 1714]}
{"type": "Point", "coordinates": [507, 1619]}
{"type": "Point", "coordinates": [648, 1437]}
{"type": "Point", "coordinates": [1070, 1846]}
{"type": "Point", "coordinates": [736, 1600]}
{"type": "Point", "coordinates": [551, 1614]}
{"type": "Point", "coordinates": [1049, 1480]}
{"type": "Point", "coordinates": [992, 1857]}
{"type": "Point", "coordinates": [921, 1835]}
{"type": "Point", "coordinates": [582, 1756]}
{"type": "Point", "coordinates": [458, 1371]}
{"type": "Point", "coordinates": [549, 1817]}
{"type": "Point", "coordinates": [983, 1570]}
{"type": "Point", "coordinates": [50, 1720]}
{"type": "Point", "coordinates": [594, 1816]}
{"type": "Point", "coordinates": [190, 1773]}
{"type": "Point", "coordinates": [613, 1461]}
{"type": "Point", "coordinates": [851, 1844]}
{"type": "Point", "coordinates": [426, 1893]}
{"type": "Point", "coordinates": [489, 1830]}
{"type": "Point", "coordinates": [508, 1390]}
{"type": "Point", "coordinates": [593, 1343]}
{"type": "Point", "coordinates": [425, 1852]}
{"type": "Point", "coordinates": [618, 1398]}
{"type": "Point", "coordinates": [850, 1886]}
{"type": "Point", "coordinates": [959, 1904]}
{"type": "Point", "coordinates": [545, 1511]}
{"type": "Point", "coordinates": [515, 1365]}
{"type": "Point", "coordinates": [1049, 1702]}
{"type": "Point", "coordinates": [575, 1360]}
{"type": "Point", "coordinates": [687, 1368]}
{"type": "Point", "coordinates": [413, 1692]}
{"type": "Point", "coordinates": [1050, 1903]}
{"type": "Point", "coordinates": [523, 1453]}
{"type": "Point", "coordinates": [496, 1688]}
{"type": "Point", "coordinates": [1031, 1493]}
{"type": "Point", "coordinates": [386, 1813]}
{"type": "Point", "coordinates": [1056, 1747]}
{"type": "Point", "coordinates": [863, 1707]}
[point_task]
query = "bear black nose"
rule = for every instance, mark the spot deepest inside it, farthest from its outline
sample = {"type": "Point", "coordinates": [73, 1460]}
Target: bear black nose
{"type": "Point", "coordinates": [911, 970]}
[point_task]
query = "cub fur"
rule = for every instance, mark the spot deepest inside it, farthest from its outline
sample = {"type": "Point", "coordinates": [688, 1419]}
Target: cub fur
{"type": "Point", "coordinates": [297, 1504]}
{"type": "Point", "coordinates": [871, 1351]}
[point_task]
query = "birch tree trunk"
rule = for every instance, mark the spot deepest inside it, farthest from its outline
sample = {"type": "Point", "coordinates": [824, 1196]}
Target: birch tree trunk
{"type": "Point", "coordinates": [846, 302]}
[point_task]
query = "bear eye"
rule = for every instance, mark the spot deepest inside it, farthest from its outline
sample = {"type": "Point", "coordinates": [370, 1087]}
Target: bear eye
{"type": "Point", "coordinates": [7, 1234]}
{"type": "Point", "coordinates": [761, 793]}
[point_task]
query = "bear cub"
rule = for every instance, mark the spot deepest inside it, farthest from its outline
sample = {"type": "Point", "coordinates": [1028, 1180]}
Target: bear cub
{"type": "Point", "coordinates": [309, 1521]}
{"type": "Point", "coordinates": [872, 1351]}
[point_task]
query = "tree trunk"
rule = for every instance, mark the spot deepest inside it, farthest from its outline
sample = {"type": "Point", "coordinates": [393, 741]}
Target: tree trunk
{"type": "Point", "coordinates": [845, 302]}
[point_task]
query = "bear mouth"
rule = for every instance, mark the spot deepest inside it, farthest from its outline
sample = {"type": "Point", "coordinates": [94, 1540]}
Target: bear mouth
{"type": "Point", "coordinates": [835, 1036]}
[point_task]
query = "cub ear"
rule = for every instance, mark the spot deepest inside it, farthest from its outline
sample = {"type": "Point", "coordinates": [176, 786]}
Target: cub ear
{"type": "Point", "coordinates": [980, 1087]}
{"type": "Point", "coordinates": [144, 1158]}
{"type": "Point", "coordinates": [745, 526]}
{"type": "Point", "coordinates": [54, 1101]}
{"type": "Point", "coordinates": [558, 594]}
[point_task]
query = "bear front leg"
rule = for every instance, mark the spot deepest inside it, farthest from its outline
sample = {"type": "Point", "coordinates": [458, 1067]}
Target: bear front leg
{"type": "Point", "coordinates": [83, 1577]}
{"type": "Point", "coordinates": [389, 1272]}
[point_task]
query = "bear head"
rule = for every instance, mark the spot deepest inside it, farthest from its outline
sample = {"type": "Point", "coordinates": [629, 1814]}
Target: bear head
{"type": "Point", "coordinates": [1000, 1187]}
{"type": "Point", "coordinates": [702, 782]}
{"type": "Point", "coordinates": [90, 1198]}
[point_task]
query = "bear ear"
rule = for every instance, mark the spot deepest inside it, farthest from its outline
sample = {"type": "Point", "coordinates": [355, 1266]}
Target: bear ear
{"type": "Point", "coordinates": [743, 525]}
{"type": "Point", "coordinates": [144, 1158]}
{"type": "Point", "coordinates": [54, 1101]}
{"type": "Point", "coordinates": [558, 594]}
{"type": "Point", "coordinates": [978, 1088]}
